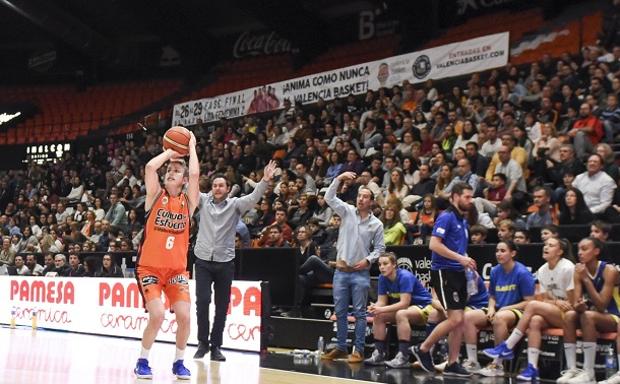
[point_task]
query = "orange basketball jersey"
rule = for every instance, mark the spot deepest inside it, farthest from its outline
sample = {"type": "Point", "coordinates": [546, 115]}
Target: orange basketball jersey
{"type": "Point", "coordinates": [166, 233]}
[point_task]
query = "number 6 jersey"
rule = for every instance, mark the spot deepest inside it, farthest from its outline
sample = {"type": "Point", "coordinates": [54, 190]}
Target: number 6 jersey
{"type": "Point", "coordinates": [166, 233]}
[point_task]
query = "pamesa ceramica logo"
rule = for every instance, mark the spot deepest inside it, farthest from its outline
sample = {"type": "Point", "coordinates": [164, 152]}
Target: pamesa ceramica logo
{"type": "Point", "coordinates": [421, 67]}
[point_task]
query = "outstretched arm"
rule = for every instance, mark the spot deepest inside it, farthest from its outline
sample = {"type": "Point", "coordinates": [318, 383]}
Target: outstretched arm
{"type": "Point", "coordinates": [151, 179]}
{"type": "Point", "coordinates": [246, 202]}
{"type": "Point", "coordinates": [193, 190]}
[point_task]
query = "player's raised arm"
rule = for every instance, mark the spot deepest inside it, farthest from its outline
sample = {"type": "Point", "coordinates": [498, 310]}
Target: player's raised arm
{"type": "Point", "coordinates": [193, 190]}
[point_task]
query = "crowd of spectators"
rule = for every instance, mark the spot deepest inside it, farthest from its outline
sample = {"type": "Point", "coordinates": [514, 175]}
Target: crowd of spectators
{"type": "Point", "coordinates": [537, 143]}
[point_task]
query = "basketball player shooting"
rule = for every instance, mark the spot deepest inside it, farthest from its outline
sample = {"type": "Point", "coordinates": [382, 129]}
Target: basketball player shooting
{"type": "Point", "coordinates": [162, 256]}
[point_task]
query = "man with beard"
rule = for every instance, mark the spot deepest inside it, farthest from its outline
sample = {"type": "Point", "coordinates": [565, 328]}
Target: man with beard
{"type": "Point", "coordinates": [449, 263]}
{"type": "Point", "coordinates": [586, 132]}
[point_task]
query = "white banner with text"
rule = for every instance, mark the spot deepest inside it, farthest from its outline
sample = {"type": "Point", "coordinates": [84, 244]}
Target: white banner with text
{"type": "Point", "coordinates": [449, 60]}
{"type": "Point", "coordinates": [113, 307]}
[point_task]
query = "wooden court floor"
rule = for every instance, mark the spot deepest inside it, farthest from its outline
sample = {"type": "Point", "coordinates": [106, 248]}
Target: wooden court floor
{"type": "Point", "coordinates": [52, 357]}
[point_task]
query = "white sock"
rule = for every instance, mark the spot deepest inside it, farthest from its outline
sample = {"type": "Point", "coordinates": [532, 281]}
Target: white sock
{"type": "Point", "coordinates": [179, 355]}
{"type": "Point", "coordinates": [144, 353]}
{"type": "Point", "coordinates": [589, 353]}
{"type": "Point", "coordinates": [532, 356]}
{"type": "Point", "coordinates": [570, 351]}
{"type": "Point", "coordinates": [498, 362]}
{"type": "Point", "coordinates": [514, 338]}
{"type": "Point", "coordinates": [472, 352]}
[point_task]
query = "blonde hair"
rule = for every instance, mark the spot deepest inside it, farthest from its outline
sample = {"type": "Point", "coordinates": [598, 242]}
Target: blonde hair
{"type": "Point", "coordinates": [182, 163]}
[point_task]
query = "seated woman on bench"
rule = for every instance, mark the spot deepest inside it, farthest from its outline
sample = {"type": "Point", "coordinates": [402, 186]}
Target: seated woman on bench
{"type": "Point", "coordinates": [511, 287]}
{"type": "Point", "coordinates": [402, 299]}
{"type": "Point", "coordinates": [595, 309]}
{"type": "Point", "coordinates": [553, 300]}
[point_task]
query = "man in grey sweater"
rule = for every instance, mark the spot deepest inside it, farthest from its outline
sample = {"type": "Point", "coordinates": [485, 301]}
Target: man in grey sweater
{"type": "Point", "coordinates": [215, 253]}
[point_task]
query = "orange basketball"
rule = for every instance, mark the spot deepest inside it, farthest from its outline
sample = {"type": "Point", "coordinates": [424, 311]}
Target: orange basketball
{"type": "Point", "coordinates": [177, 138]}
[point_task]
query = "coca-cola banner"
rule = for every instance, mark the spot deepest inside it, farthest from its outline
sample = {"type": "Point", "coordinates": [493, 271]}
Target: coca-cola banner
{"type": "Point", "coordinates": [449, 60]}
{"type": "Point", "coordinates": [113, 307]}
{"type": "Point", "coordinates": [261, 43]}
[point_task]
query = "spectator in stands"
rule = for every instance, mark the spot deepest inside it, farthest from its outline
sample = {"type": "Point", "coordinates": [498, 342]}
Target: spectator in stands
{"type": "Point", "coordinates": [511, 289]}
{"type": "Point", "coordinates": [595, 314]}
{"type": "Point", "coordinates": [323, 213]}
{"type": "Point", "coordinates": [393, 229]}
{"type": "Point", "coordinates": [478, 234]}
{"type": "Point", "coordinates": [468, 135]}
{"type": "Point", "coordinates": [548, 231]}
{"type": "Point", "coordinates": [109, 268]}
{"type": "Point", "coordinates": [61, 267]}
{"type": "Point", "coordinates": [49, 263]}
{"type": "Point", "coordinates": [518, 154]}
{"type": "Point", "coordinates": [464, 174]}
{"type": "Point", "coordinates": [7, 255]}
{"type": "Point", "coordinates": [491, 146]}
{"type": "Point", "coordinates": [597, 186]}
{"type": "Point", "coordinates": [426, 184]}
{"type": "Point", "coordinates": [310, 186]}
{"type": "Point", "coordinates": [586, 133]}
{"type": "Point", "coordinates": [301, 213]}
{"type": "Point", "coordinates": [610, 117]}
{"type": "Point", "coordinates": [98, 209]}
{"type": "Point", "coordinates": [116, 213]}
{"type": "Point", "coordinates": [76, 270]}
{"type": "Point", "coordinates": [600, 230]}
{"type": "Point", "coordinates": [573, 208]}
{"type": "Point", "coordinates": [62, 213]}
{"type": "Point", "coordinates": [77, 190]}
{"type": "Point", "coordinates": [443, 179]}
{"type": "Point", "coordinates": [335, 167]}
{"type": "Point", "coordinates": [542, 203]}
{"type": "Point", "coordinates": [506, 230]}
{"type": "Point", "coordinates": [522, 236]}
{"type": "Point", "coordinates": [20, 267]}
{"type": "Point", "coordinates": [514, 173]}
{"type": "Point", "coordinates": [34, 268]}
{"type": "Point", "coordinates": [523, 141]}
{"type": "Point", "coordinates": [396, 186]}
{"type": "Point", "coordinates": [311, 267]}
{"type": "Point", "coordinates": [275, 238]}
{"type": "Point", "coordinates": [353, 163]}
{"type": "Point", "coordinates": [479, 163]}
{"type": "Point", "coordinates": [493, 195]}
{"type": "Point", "coordinates": [609, 158]}
{"type": "Point", "coordinates": [103, 242]}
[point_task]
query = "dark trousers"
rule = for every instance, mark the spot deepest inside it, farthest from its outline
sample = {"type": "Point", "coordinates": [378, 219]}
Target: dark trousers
{"type": "Point", "coordinates": [221, 276]}
{"type": "Point", "coordinates": [312, 272]}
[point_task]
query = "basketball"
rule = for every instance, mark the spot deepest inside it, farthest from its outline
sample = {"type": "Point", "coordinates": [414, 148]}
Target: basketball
{"type": "Point", "coordinates": [177, 139]}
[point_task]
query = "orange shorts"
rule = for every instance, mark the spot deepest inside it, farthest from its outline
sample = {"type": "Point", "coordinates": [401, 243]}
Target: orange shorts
{"type": "Point", "coordinates": [174, 283]}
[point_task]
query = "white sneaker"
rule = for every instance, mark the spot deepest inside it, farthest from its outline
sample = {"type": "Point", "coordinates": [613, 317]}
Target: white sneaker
{"type": "Point", "coordinates": [565, 376]}
{"type": "Point", "coordinates": [614, 379]}
{"type": "Point", "coordinates": [471, 366]}
{"type": "Point", "coordinates": [584, 377]}
{"type": "Point", "coordinates": [492, 370]}
{"type": "Point", "coordinates": [442, 366]}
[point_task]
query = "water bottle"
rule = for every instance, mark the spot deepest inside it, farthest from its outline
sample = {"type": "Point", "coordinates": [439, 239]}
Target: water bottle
{"type": "Point", "coordinates": [13, 313]}
{"type": "Point", "coordinates": [472, 282]}
{"type": "Point", "coordinates": [34, 319]}
{"type": "Point", "coordinates": [319, 346]}
{"type": "Point", "coordinates": [611, 366]}
{"type": "Point", "coordinates": [124, 267]}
